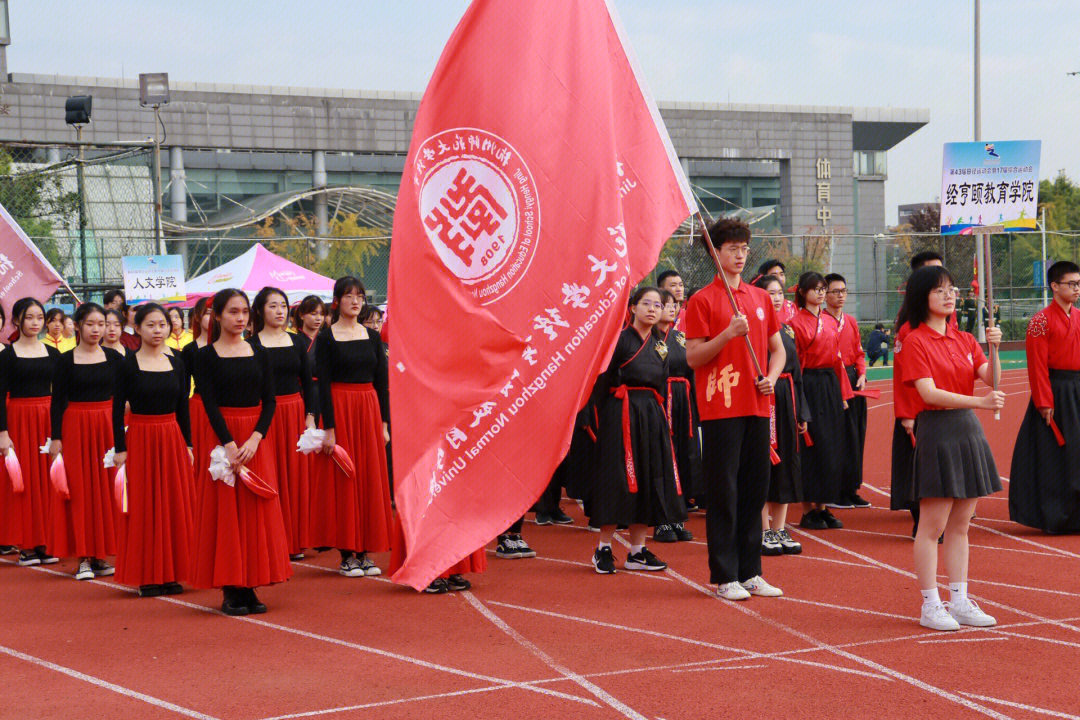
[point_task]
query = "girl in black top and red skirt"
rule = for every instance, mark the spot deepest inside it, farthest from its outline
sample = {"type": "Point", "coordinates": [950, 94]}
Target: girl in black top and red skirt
{"type": "Point", "coordinates": [636, 483]}
{"type": "Point", "coordinates": [240, 539]}
{"type": "Point", "coordinates": [155, 530]}
{"type": "Point", "coordinates": [308, 319]}
{"type": "Point", "coordinates": [83, 523]}
{"type": "Point", "coordinates": [202, 435]}
{"type": "Point", "coordinates": [295, 412]}
{"type": "Point", "coordinates": [352, 514]}
{"type": "Point", "coordinates": [26, 370]}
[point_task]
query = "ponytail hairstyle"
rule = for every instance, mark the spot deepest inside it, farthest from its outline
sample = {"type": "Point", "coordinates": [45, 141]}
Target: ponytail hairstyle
{"type": "Point", "coordinates": [258, 307]}
{"type": "Point", "coordinates": [807, 282]}
{"type": "Point", "coordinates": [217, 305]}
{"type": "Point", "coordinates": [195, 316]}
{"type": "Point", "coordinates": [82, 313]}
{"type": "Point", "coordinates": [18, 314]}
{"type": "Point", "coordinates": [344, 285]}
{"type": "Point", "coordinates": [308, 305]}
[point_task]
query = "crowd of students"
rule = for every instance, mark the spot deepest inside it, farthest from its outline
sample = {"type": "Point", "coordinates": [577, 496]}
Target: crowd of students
{"type": "Point", "coordinates": [174, 448]}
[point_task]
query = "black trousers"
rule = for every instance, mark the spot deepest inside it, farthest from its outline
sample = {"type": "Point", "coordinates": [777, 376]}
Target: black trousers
{"type": "Point", "coordinates": [515, 529]}
{"type": "Point", "coordinates": [735, 460]}
{"type": "Point", "coordinates": [549, 501]}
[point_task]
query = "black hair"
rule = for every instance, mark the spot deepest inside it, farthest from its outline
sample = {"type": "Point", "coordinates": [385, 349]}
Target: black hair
{"type": "Point", "coordinates": [879, 326]}
{"type": "Point", "coordinates": [3, 317]}
{"type": "Point", "coordinates": [258, 307]}
{"type": "Point", "coordinates": [921, 258]}
{"type": "Point", "coordinates": [665, 275]}
{"type": "Point", "coordinates": [111, 295]}
{"type": "Point", "coordinates": [667, 296]}
{"type": "Point", "coordinates": [1060, 269]}
{"type": "Point", "coordinates": [917, 294]}
{"type": "Point", "coordinates": [307, 305]}
{"type": "Point", "coordinates": [53, 314]}
{"type": "Point", "coordinates": [807, 282]}
{"type": "Point", "coordinates": [641, 292]}
{"type": "Point", "coordinates": [763, 268]}
{"type": "Point", "coordinates": [221, 299]}
{"type": "Point", "coordinates": [834, 277]}
{"type": "Point", "coordinates": [726, 230]}
{"type": "Point", "coordinates": [195, 316]}
{"type": "Point", "coordinates": [85, 309]}
{"type": "Point", "coordinates": [144, 311]}
{"type": "Point", "coordinates": [765, 281]}
{"type": "Point", "coordinates": [113, 312]}
{"type": "Point", "coordinates": [18, 314]}
{"type": "Point", "coordinates": [344, 285]}
{"type": "Point", "coordinates": [169, 313]}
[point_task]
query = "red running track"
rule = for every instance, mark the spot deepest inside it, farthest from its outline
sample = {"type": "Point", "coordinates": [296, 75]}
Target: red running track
{"type": "Point", "coordinates": [547, 637]}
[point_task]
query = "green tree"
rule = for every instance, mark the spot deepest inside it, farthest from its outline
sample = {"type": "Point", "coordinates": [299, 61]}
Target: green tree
{"type": "Point", "coordinates": [37, 202]}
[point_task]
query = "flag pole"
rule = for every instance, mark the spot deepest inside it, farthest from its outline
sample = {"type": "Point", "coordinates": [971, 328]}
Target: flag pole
{"type": "Point", "coordinates": [984, 237]}
{"type": "Point", "coordinates": [727, 288]}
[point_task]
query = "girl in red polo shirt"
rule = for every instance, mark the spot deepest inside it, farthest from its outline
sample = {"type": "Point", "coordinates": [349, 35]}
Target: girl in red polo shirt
{"type": "Point", "coordinates": [953, 465]}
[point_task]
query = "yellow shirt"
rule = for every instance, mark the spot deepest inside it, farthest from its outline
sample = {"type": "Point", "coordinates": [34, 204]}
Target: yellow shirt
{"type": "Point", "coordinates": [63, 344]}
{"type": "Point", "coordinates": [175, 343]}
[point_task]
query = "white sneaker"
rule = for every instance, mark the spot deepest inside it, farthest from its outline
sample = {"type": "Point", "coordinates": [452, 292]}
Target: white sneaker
{"type": "Point", "coordinates": [368, 566]}
{"type": "Point", "coordinates": [968, 613]}
{"type": "Point", "coordinates": [936, 617]}
{"type": "Point", "coordinates": [732, 591]}
{"type": "Point", "coordinates": [757, 586]}
{"type": "Point", "coordinates": [351, 568]}
{"type": "Point", "coordinates": [85, 572]}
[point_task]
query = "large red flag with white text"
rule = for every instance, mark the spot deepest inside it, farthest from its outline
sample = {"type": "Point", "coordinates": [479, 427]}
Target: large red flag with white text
{"type": "Point", "coordinates": [539, 188]}
{"type": "Point", "coordinates": [24, 271]}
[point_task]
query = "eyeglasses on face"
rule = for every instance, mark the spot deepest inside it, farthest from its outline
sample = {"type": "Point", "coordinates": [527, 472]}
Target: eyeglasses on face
{"type": "Point", "coordinates": [837, 291]}
{"type": "Point", "coordinates": [650, 304]}
{"type": "Point", "coordinates": [740, 250]}
{"type": "Point", "coordinates": [1071, 284]}
{"type": "Point", "coordinates": [946, 291]}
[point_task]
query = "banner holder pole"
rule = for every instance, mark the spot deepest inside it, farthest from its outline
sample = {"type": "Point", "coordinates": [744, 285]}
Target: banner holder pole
{"type": "Point", "coordinates": [727, 288]}
{"type": "Point", "coordinates": [983, 234]}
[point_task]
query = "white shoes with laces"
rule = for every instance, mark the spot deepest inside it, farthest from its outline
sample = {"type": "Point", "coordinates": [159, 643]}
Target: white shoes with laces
{"type": "Point", "coordinates": [968, 613]}
{"type": "Point", "coordinates": [936, 617]}
{"type": "Point", "coordinates": [757, 586]}
{"type": "Point", "coordinates": [732, 591]}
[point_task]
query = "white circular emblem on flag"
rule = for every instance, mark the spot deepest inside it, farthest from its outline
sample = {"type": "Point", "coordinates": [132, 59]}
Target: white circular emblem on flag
{"type": "Point", "coordinates": [479, 209]}
{"type": "Point", "coordinates": [760, 314]}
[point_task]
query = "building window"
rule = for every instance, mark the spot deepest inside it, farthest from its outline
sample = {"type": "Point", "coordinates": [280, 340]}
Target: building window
{"type": "Point", "coordinates": [870, 162]}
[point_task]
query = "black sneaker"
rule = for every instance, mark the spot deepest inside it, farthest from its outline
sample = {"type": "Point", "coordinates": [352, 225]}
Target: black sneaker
{"type": "Point", "coordinates": [603, 561]}
{"type": "Point", "coordinates": [831, 521]}
{"type": "Point", "coordinates": [681, 533]}
{"type": "Point", "coordinates": [233, 601]}
{"type": "Point", "coordinates": [44, 557]}
{"type": "Point", "coordinates": [151, 590]}
{"type": "Point", "coordinates": [28, 558]}
{"type": "Point", "coordinates": [543, 518]}
{"type": "Point", "coordinates": [561, 518]}
{"type": "Point", "coordinates": [664, 534]}
{"type": "Point", "coordinates": [524, 551]}
{"type": "Point", "coordinates": [251, 601]}
{"type": "Point", "coordinates": [813, 520]}
{"type": "Point", "coordinates": [507, 548]}
{"type": "Point", "coordinates": [844, 503]}
{"type": "Point", "coordinates": [858, 501]}
{"type": "Point", "coordinates": [770, 544]}
{"type": "Point", "coordinates": [438, 586]}
{"type": "Point", "coordinates": [295, 557]}
{"type": "Point", "coordinates": [644, 560]}
{"type": "Point", "coordinates": [787, 544]}
{"type": "Point", "coordinates": [8, 549]}
{"type": "Point", "coordinates": [173, 588]}
{"type": "Point", "coordinates": [457, 583]}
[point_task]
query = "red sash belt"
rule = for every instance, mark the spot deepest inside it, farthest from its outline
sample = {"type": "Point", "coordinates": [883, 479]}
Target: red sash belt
{"type": "Point", "coordinates": [622, 392]}
{"type": "Point", "coordinates": [689, 407]}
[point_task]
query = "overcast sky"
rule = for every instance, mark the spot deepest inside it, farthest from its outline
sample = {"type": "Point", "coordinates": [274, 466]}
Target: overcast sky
{"type": "Point", "coordinates": [834, 52]}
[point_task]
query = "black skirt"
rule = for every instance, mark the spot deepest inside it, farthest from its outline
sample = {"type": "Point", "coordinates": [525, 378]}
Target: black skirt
{"type": "Point", "coordinates": [952, 457]}
{"type": "Point", "coordinates": [579, 466]}
{"type": "Point", "coordinates": [1044, 482]}
{"type": "Point", "coordinates": [608, 499]}
{"type": "Point", "coordinates": [785, 482]}
{"type": "Point", "coordinates": [687, 444]}
{"type": "Point", "coordinates": [903, 457]}
{"type": "Point", "coordinates": [852, 468]}
{"type": "Point", "coordinates": [822, 461]}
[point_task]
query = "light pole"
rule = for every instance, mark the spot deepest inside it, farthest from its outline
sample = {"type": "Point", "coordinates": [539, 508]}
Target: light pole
{"type": "Point", "coordinates": [77, 114]}
{"type": "Point", "coordinates": [154, 92]}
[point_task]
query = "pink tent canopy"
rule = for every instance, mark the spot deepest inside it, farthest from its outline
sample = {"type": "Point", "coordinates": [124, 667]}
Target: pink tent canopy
{"type": "Point", "coordinates": [256, 269]}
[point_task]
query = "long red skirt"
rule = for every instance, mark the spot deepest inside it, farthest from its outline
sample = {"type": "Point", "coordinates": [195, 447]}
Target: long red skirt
{"type": "Point", "coordinates": [474, 562]}
{"type": "Point", "coordinates": [85, 524]}
{"type": "Point", "coordinates": [28, 427]}
{"type": "Point", "coordinates": [154, 543]}
{"type": "Point", "coordinates": [203, 441]}
{"type": "Point", "coordinates": [293, 470]}
{"type": "Point", "coordinates": [239, 537]}
{"type": "Point", "coordinates": [353, 513]}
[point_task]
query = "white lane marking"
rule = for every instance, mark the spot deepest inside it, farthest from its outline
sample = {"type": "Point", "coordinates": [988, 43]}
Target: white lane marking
{"type": "Point", "coordinates": [935, 641]}
{"type": "Point", "coordinates": [384, 703]}
{"type": "Point", "coordinates": [120, 690]}
{"type": "Point", "coordinates": [558, 667]}
{"type": "Point", "coordinates": [1033, 543]}
{"type": "Point", "coordinates": [1022, 706]}
{"type": "Point", "coordinates": [714, 669]}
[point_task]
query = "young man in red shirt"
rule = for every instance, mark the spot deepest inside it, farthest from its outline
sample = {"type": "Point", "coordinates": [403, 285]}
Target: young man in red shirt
{"type": "Point", "coordinates": [734, 407]}
{"type": "Point", "coordinates": [854, 359]}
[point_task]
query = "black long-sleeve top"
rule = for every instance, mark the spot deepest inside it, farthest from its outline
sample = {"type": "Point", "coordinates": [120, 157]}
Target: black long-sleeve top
{"type": "Point", "coordinates": [235, 382]}
{"type": "Point", "coordinates": [291, 367]}
{"type": "Point", "coordinates": [350, 361]}
{"type": "Point", "coordinates": [25, 377]}
{"type": "Point", "coordinates": [77, 382]}
{"type": "Point", "coordinates": [634, 365]}
{"type": "Point", "coordinates": [187, 354]}
{"type": "Point", "coordinates": [151, 392]}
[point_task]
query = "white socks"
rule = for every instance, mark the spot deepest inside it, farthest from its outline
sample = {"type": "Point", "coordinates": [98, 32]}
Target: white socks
{"type": "Point", "coordinates": [958, 593]}
{"type": "Point", "coordinates": [930, 597]}
{"type": "Point", "coordinates": [635, 549]}
{"type": "Point", "coordinates": [601, 545]}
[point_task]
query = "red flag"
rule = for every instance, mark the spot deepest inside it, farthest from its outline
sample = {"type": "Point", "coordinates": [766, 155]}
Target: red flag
{"type": "Point", "coordinates": [539, 187]}
{"type": "Point", "coordinates": [24, 271]}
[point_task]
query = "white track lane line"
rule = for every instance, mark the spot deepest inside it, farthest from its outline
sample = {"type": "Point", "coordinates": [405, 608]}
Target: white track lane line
{"type": "Point", "coordinates": [895, 674]}
{"type": "Point", "coordinates": [1051, 548]}
{"type": "Point", "coordinates": [384, 703]}
{"type": "Point", "coordinates": [936, 641]}
{"type": "Point", "coordinates": [1022, 706]}
{"type": "Point", "coordinates": [105, 684]}
{"type": "Point", "coordinates": [715, 669]}
{"type": "Point", "coordinates": [594, 689]}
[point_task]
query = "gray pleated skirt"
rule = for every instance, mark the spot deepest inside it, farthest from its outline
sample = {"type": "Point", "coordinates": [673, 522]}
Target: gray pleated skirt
{"type": "Point", "coordinates": [952, 457]}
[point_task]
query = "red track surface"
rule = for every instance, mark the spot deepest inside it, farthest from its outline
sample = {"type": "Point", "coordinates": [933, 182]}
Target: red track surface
{"type": "Point", "coordinates": [550, 638]}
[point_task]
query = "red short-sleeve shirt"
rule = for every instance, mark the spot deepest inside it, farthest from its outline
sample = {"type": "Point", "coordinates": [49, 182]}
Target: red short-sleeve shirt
{"type": "Point", "coordinates": [952, 360]}
{"type": "Point", "coordinates": [725, 385]}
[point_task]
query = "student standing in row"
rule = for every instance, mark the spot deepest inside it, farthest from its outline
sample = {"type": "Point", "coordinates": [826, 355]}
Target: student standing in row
{"type": "Point", "coordinates": [54, 331]}
{"type": "Point", "coordinates": [114, 328]}
{"type": "Point", "coordinates": [790, 417]}
{"type": "Point", "coordinates": [854, 360]}
{"type": "Point", "coordinates": [776, 268]}
{"type": "Point", "coordinates": [83, 525]}
{"type": "Point", "coordinates": [953, 465]}
{"type": "Point", "coordinates": [26, 370]}
{"type": "Point", "coordinates": [155, 533]}
{"type": "Point", "coordinates": [352, 514]}
{"type": "Point", "coordinates": [240, 540]}
{"type": "Point", "coordinates": [295, 412]}
{"type": "Point", "coordinates": [178, 336]}
{"type": "Point", "coordinates": [827, 389]}
{"type": "Point", "coordinates": [734, 407]}
{"type": "Point", "coordinates": [672, 282]}
{"type": "Point", "coordinates": [636, 483]}
{"type": "Point", "coordinates": [1044, 489]}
